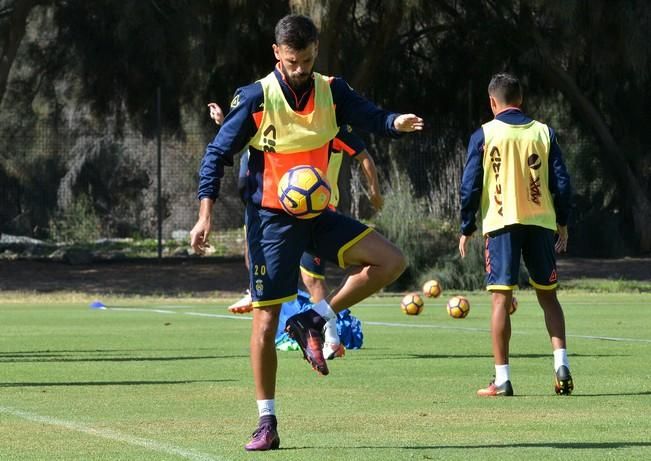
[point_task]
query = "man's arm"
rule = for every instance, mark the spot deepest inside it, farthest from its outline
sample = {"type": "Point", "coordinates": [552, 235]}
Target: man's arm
{"type": "Point", "coordinates": [471, 188]}
{"type": "Point", "coordinates": [234, 135]}
{"type": "Point", "coordinates": [354, 146]}
{"type": "Point", "coordinates": [370, 172]}
{"type": "Point", "coordinates": [355, 110]}
{"type": "Point", "coordinates": [559, 181]}
{"type": "Point", "coordinates": [201, 230]}
{"type": "Point", "coordinates": [561, 190]}
{"type": "Point", "coordinates": [236, 131]}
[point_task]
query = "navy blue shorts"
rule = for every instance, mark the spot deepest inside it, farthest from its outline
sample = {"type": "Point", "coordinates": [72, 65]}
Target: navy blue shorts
{"type": "Point", "coordinates": [503, 250]}
{"type": "Point", "coordinates": [276, 241]}
{"type": "Point", "coordinates": [313, 265]}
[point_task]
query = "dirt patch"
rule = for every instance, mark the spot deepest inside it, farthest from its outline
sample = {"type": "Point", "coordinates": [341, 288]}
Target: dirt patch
{"type": "Point", "coordinates": [622, 268]}
{"type": "Point", "coordinates": [206, 276]}
{"type": "Point", "coordinates": [190, 277]}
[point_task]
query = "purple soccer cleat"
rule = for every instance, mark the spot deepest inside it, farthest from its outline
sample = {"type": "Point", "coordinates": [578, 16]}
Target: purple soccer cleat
{"type": "Point", "coordinates": [306, 328]}
{"type": "Point", "coordinates": [264, 438]}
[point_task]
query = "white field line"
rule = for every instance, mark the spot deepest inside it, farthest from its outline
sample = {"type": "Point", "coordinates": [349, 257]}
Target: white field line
{"type": "Point", "coordinates": [397, 325]}
{"type": "Point", "coordinates": [486, 330]}
{"type": "Point", "coordinates": [110, 434]}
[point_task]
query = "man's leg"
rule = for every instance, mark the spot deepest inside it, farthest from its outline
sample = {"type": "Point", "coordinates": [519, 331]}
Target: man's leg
{"type": "Point", "coordinates": [350, 243]}
{"type": "Point", "coordinates": [244, 304]}
{"type": "Point", "coordinates": [555, 322]}
{"type": "Point", "coordinates": [502, 261]}
{"type": "Point", "coordinates": [379, 263]}
{"type": "Point", "coordinates": [554, 318]}
{"type": "Point", "coordinates": [264, 363]}
{"type": "Point", "coordinates": [313, 271]}
{"type": "Point", "coordinates": [317, 287]}
{"type": "Point", "coordinates": [501, 325]}
{"type": "Point", "coordinates": [540, 258]}
{"type": "Point", "coordinates": [263, 351]}
{"type": "Point", "coordinates": [501, 337]}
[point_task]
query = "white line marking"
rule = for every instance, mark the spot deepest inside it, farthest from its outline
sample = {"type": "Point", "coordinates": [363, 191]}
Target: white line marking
{"type": "Point", "coordinates": [399, 325]}
{"type": "Point", "coordinates": [427, 325]}
{"type": "Point", "coordinates": [110, 434]}
{"type": "Point", "coordinates": [136, 309]}
{"type": "Point", "coordinates": [219, 316]}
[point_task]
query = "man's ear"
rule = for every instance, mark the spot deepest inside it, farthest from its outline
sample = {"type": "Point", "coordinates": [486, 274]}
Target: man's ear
{"type": "Point", "coordinates": [493, 103]}
{"type": "Point", "coordinates": [276, 49]}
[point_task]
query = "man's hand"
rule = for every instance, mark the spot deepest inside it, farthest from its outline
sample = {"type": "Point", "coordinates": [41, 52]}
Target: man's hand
{"type": "Point", "coordinates": [377, 201]}
{"type": "Point", "coordinates": [463, 244]}
{"type": "Point", "coordinates": [216, 113]}
{"type": "Point", "coordinates": [199, 236]}
{"type": "Point", "coordinates": [561, 241]}
{"type": "Point", "coordinates": [406, 123]}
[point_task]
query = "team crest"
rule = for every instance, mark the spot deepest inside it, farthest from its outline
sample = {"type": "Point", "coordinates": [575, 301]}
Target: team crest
{"type": "Point", "coordinates": [236, 101]}
{"type": "Point", "coordinates": [259, 287]}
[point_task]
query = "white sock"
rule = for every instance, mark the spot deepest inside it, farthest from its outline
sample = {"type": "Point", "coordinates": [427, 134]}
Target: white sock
{"type": "Point", "coordinates": [266, 407]}
{"type": "Point", "coordinates": [324, 310]}
{"type": "Point", "coordinates": [502, 374]}
{"type": "Point", "coordinates": [560, 359]}
{"type": "Point", "coordinates": [330, 332]}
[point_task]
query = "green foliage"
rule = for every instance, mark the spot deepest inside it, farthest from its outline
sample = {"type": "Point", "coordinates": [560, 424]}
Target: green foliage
{"type": "Point", "coordinates": [462, 274]}
{"type": "Point", "coordinates": [405, 221]}
{"type": "Point", "coordinates": [78, 223]}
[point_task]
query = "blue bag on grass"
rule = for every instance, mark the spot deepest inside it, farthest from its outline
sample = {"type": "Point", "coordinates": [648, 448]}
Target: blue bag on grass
{"type": "Point", "coordinates": [349, 328]}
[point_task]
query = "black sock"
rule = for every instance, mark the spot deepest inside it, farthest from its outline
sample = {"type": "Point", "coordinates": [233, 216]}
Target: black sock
{"type": "Point", "coordinates": [318, 321]}
{"type": "Point", "coordinates": [268, 419]}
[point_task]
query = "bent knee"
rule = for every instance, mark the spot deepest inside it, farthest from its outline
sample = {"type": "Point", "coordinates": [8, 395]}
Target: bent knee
{"type": "Point", "coordinates": [394, 264]}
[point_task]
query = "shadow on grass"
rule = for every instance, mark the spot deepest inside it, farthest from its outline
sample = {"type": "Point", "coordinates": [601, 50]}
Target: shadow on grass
{"type": "Point", "coordinates": [115, 383]}
{"type": "Point", "coordinates": [559, 445]}
{"type": "Point", "coordinates": [389, 356]}
{"type": "Point", "coordinates": [96, 351]}
{"type": "Point", "coordinates": [59, 358]}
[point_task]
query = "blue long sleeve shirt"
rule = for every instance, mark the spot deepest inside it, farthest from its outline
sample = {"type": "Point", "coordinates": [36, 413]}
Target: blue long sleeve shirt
{"type": "Point", "coordinates": [239, 127]}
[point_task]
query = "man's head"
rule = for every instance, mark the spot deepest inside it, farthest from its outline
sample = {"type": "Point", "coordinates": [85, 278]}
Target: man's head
{"type": "Point", "coordinates": [296, 47]}
{"type": "Point", "coordinates": [504, 90]}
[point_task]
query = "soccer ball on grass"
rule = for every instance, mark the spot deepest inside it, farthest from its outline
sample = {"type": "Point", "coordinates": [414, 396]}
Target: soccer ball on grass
{"type": "Point", "coordinates": [412, 304]}
{"type": "Point", "coordinates": [304, 192]}
{"type": "Point", "coordinates": [458, 307]}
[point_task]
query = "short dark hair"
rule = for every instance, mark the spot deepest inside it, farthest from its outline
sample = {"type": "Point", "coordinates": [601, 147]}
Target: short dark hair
{"type": "Point", "coordinates": [505, 88]}
{"type": "Point", "coordinates": [296, 31]}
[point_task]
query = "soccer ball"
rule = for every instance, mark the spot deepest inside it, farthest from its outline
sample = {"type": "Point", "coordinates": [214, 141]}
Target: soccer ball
{"type": "Point", "coordinates": [514, 305]}
{"type": "Point", "coordinates": [412, 304]}
{"type": "Point", "coordinates": [432, 289]}
{"type": "Point", "coordinates": [458, 307]}
{"type": "Point", "coordinates": [304, 192]}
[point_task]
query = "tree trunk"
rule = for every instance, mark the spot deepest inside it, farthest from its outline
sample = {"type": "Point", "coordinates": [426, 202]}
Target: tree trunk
{"type": "Point", "coordinates": [637, 201]}
{"type": "Point", "coordinates": [12, 36]}
{"type": "Point", "coordinates": [327, 16]}
{"type": "Point", "coordinates": [381, 37]}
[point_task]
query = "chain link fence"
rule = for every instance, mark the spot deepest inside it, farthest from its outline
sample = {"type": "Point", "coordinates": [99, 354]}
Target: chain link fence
{"type": "Point", "coordinates": [98, 189]}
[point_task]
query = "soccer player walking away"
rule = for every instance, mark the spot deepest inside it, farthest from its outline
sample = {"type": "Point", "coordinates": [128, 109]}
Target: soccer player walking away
{"type": "Point", "coordinates": [288, 118]}
{"type": "Point", "coordinates": [515, 172]}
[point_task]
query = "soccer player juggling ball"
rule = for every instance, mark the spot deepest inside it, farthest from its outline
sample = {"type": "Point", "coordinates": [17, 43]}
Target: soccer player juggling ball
{"type": "Point", "coordinates": [287, 119]}
{"type": "Point", "coordinates": [515, 173]}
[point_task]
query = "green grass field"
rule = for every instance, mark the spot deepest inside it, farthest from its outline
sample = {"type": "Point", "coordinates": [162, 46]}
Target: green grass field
{"type": "Point", "coordinates": [169, 379]}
